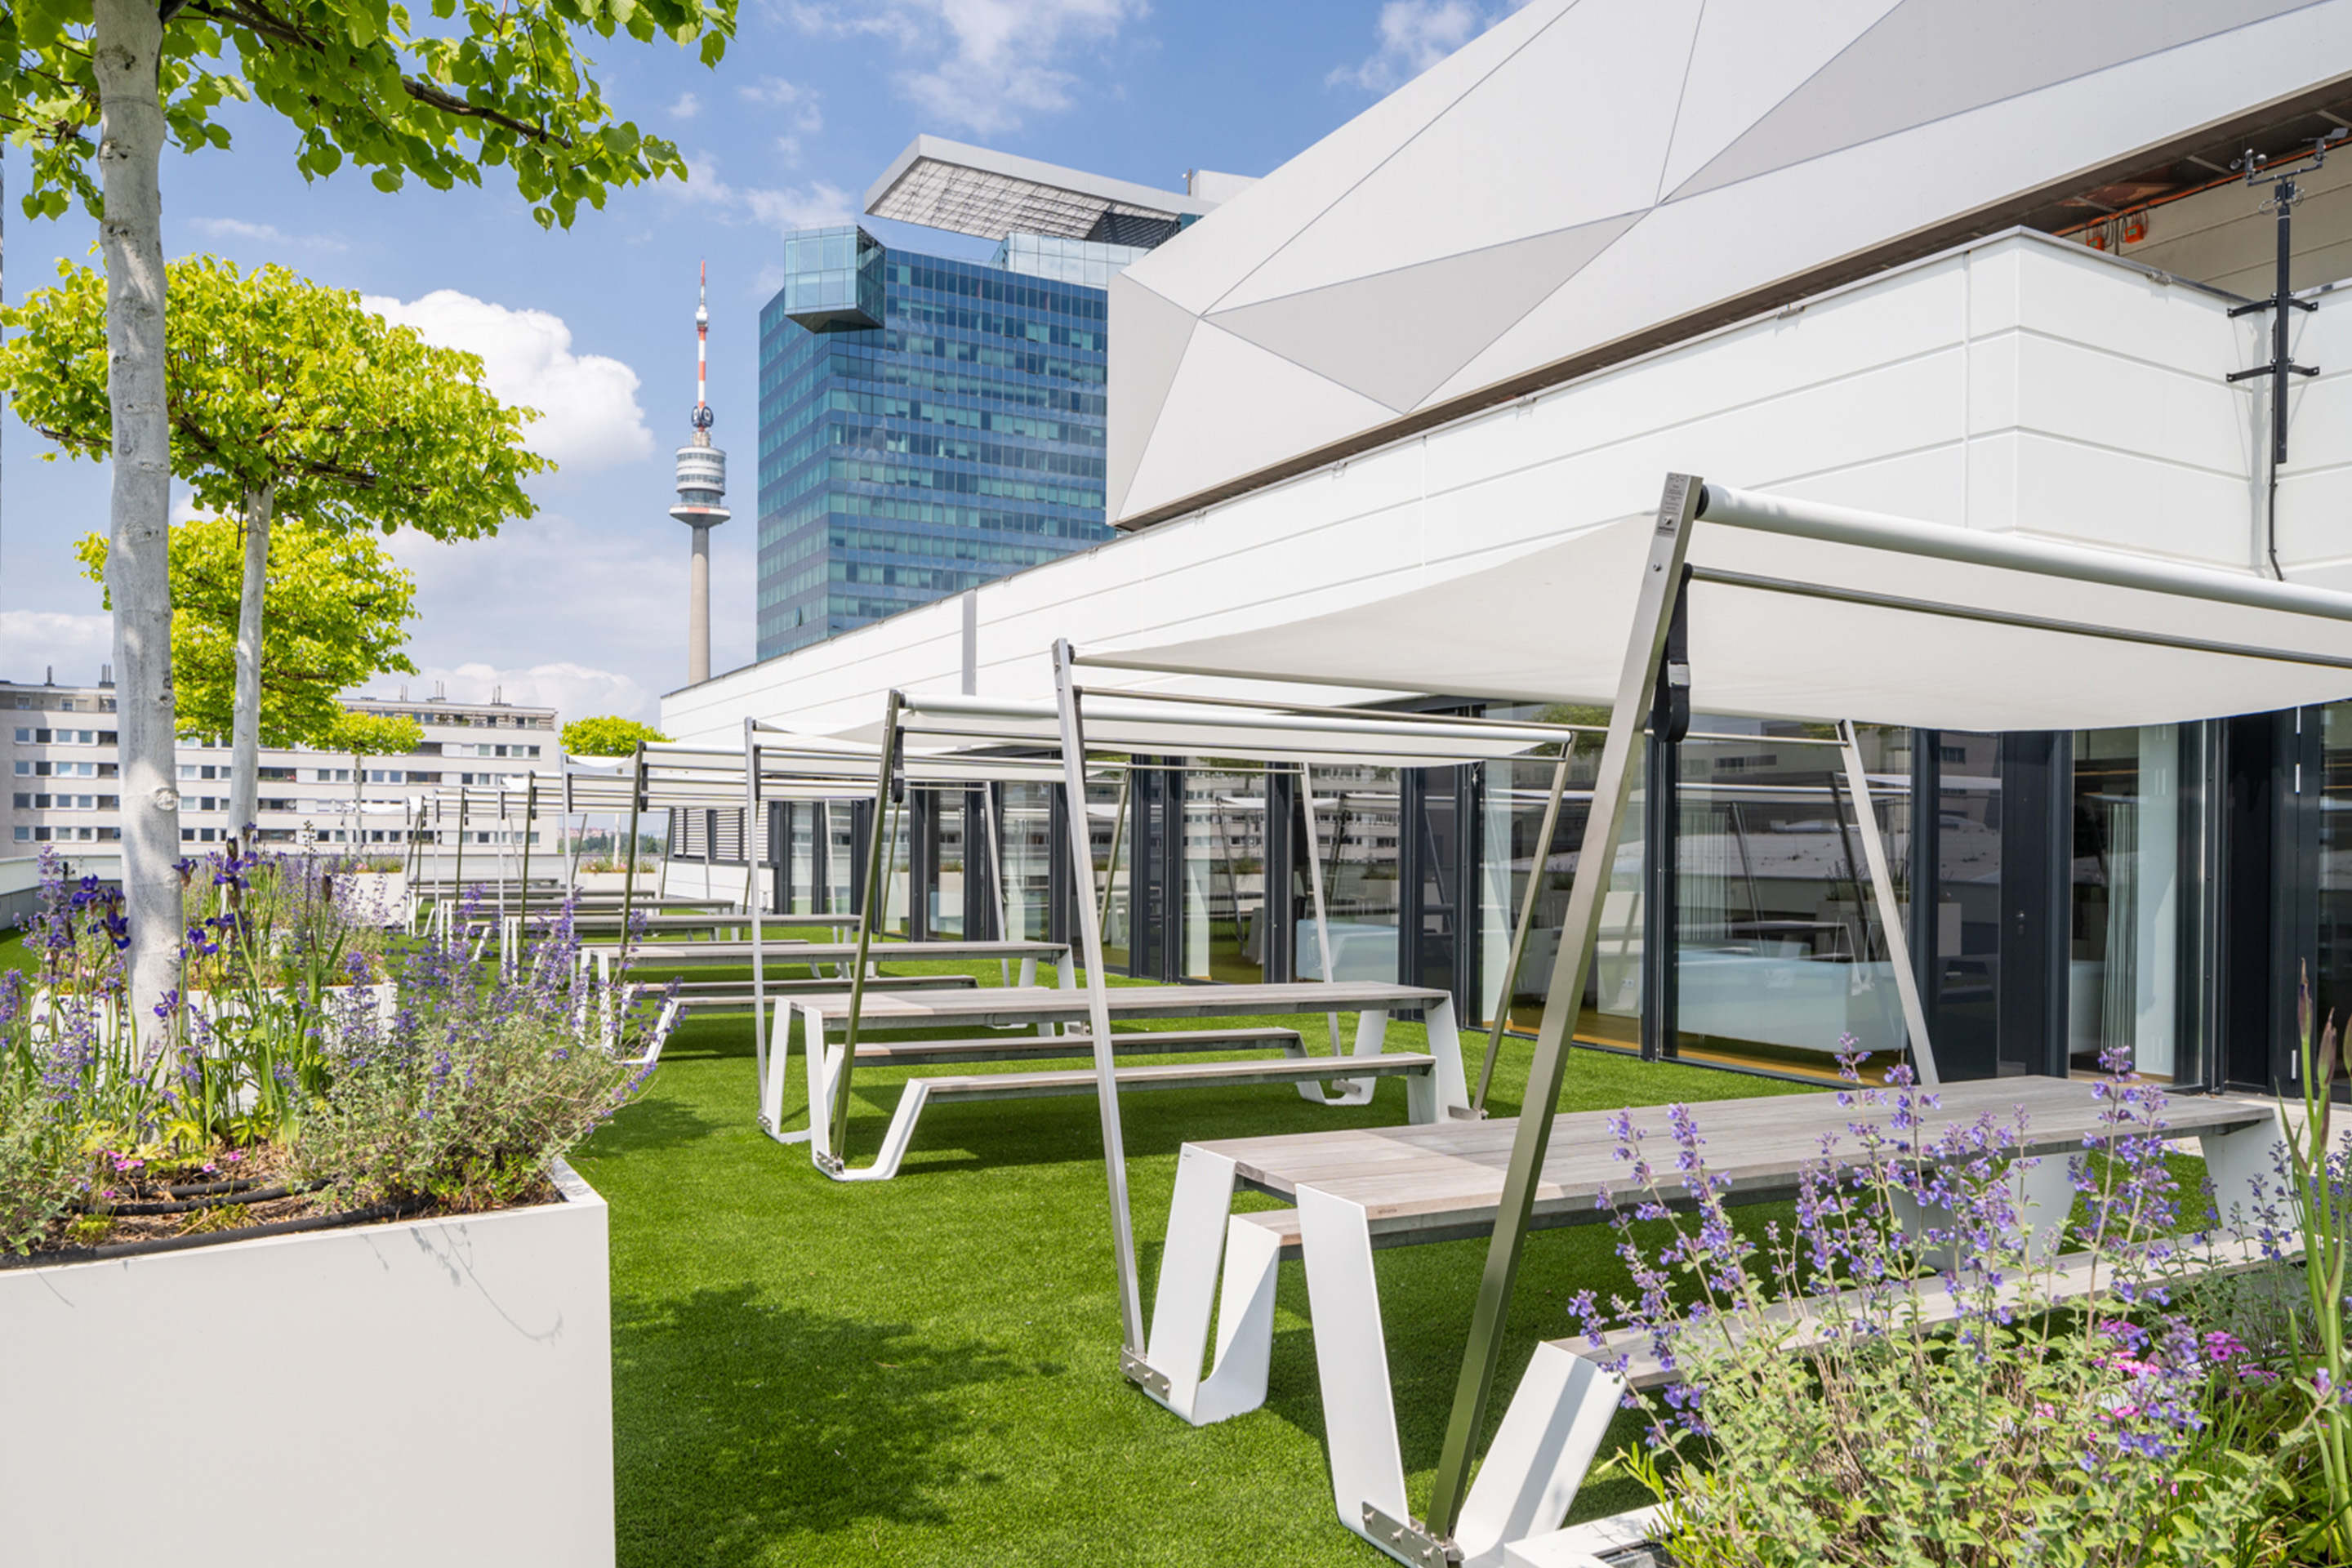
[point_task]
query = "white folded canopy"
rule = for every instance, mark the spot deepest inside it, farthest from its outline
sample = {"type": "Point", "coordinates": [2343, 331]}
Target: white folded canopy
{"type": "Point", "coordinates": [1806, 611]}
{"type": "Point", "coordinates": [1144, 724]}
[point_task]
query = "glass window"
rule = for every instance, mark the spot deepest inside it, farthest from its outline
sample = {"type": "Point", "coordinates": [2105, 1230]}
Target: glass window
{"type": "Point", "coordinates": [1357, 810]}
{"type": "Point", "coordinates": [1111, 810]}
{"type": "Point", "coordinates": [949, 843]}
{"type": "Point", "coordinates": [1025, 821]}
{"type": "Point", "coordinates": [2123, 969]}
{"type": "Point", "coordinates": [1610, 1012]}
{"type": "Point", "coordinates": [1224, 859]}
{"type": "Point", "coordinates": [1781, 951]}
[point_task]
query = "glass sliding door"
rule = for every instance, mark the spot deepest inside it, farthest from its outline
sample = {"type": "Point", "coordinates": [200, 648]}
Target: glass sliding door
{"type": "Point", "coordinates": [1512, 803]}
{"type": "Point", "coordinates": [2124, 977]}
{"type": "Point", "coordinates": [1025, 818]}
{"type": "Point", "coordinates": [1356, 811]}
{"type": "Point", "coordinates": [1223, 868]}
{"type": "Point", "coordinates": [1110, 830]}
{"type": "Point", "coordinates": [1780, 952]}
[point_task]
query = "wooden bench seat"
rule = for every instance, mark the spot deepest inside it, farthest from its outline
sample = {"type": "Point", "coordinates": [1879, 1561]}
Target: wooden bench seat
{"type": "Point", "coordinates": [1032, 1047]}
{"type": "Point", "coordinates": [2071, 1276]}
{"type": "Point", "coordinates": [1175, 1075]}
{"type": "Point", "coordinates": [706, 995]}
{"type": "Point", "coordinates": [1297, 1070]}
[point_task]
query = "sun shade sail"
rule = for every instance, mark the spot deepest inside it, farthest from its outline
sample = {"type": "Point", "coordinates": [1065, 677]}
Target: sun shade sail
{"type": "Point", "coordinates": [1804, 611]}
{"type": "Point", "coordinates": [1138, 725]}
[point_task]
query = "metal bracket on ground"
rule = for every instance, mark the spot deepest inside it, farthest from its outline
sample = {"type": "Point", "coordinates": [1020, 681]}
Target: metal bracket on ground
{"type": "Point", "coordinates": [1138, 1371]}
{"type": "Point", "coordinates": [1408, 1541]}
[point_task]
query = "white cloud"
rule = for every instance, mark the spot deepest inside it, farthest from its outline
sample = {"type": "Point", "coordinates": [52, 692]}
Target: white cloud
{"type": "Point", "coordinates": [33, 643]}
{"type": "Point", "coordinates": [780, 207]}
{"type": "Point", "coordinates": [981, 65]}
{"type": "Point", "coordinates": [687, 106]}
{"type": "Point", "coordinates": [574, 691]}
{"type": "Point", "coordinates": [1413, 35]}
{"type": "Point", "coordinates": [589, 416]}
{"type": "Point", "coordinates": [228, 228]}
{"type": "Point", "coordinates": [803, 115]}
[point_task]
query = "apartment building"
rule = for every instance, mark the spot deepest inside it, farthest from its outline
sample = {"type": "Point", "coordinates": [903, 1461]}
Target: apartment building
{"type": "Point", "coordinates": [59, 746]}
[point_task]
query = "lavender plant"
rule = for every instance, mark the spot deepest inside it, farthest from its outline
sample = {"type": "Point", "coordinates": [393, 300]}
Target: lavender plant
{"type": "Point", "coordinates": [467, 1093]}
{"type": "Point", "coordinates": [1840, 1400]}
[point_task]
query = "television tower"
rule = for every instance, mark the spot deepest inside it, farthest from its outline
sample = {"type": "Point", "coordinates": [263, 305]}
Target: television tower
{"type": "Point", "coordinates": [701, 493]}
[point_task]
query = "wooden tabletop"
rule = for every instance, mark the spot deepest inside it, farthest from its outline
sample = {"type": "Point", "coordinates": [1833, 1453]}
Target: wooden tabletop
{"type": "Point", "coordinates": [1010, 1005]}
{"type": "Point", "coordinates": [796, 953]}
{"type": "Point", "coordinates": [1449, 1175]}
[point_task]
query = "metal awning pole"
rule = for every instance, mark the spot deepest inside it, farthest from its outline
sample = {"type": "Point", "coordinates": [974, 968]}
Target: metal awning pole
{"type": "Point", "coordinates": [1890, 914]}
{"type": "Point", "coordinates": [1117, 830]}
{"type": "Point", "coordinates": [1527, 923]}
{"type": "Point", "coordinates": [572, 864]}
{"type": "Point", "coordinates": [1636, 687]}
{"type": "Point", "coordinates": [1081, 857]}
{"type": "Point", "coordinates": [866, 920]}
{"type": "Point", "coordinates": [522, 920]}
{"type": "Point", "coordinates": [752, 902]}
{"type": "Point", "coordinates": [1315, 887]}
{"type": "Point", "coordinates": [629, 880]}
{"type": "Point", "coordinates": [988, 803]}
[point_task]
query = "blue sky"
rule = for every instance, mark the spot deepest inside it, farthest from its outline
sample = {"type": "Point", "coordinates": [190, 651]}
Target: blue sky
{"type": "Point", "coordinates": [584, 604]}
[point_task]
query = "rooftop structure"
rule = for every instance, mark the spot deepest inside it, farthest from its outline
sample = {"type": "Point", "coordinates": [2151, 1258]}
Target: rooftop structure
{"type": "Point", "coordinates": [971, 189]}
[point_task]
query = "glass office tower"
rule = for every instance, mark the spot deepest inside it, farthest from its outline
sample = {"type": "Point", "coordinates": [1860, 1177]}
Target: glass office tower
{"type": "Point", "coordinates": [926, 425]}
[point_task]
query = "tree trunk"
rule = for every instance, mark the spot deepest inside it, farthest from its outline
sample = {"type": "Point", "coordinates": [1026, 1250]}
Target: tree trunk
{"type": "Point", "coordinates": [128, 47]}
{"type": "Point", "coordinates": [245, 759]}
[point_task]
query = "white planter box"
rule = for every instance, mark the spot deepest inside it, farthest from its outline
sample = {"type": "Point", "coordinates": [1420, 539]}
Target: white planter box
{"type": "Point", "coordinates": [431, 1390]}
{"type": "Point", "coordinates": [378, 897]}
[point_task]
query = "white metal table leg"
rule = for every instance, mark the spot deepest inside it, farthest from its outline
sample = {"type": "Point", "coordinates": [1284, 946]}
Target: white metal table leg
{"type": "Point", "coordinates": [772, 1092]}
{"type": "Point", "coordinates": [1351, 1358]}
{"type": "Point", "coordinates": [1550, 1434]}
{"type": "Point", "coordinates": [1371, 1035]}
{"type": "Point", "coordinates": [1202, 1233]}
{"type": "Point", "coordinates": [1449, 1092]}
{"type": "Point", "coordinates": [2243, 1167]}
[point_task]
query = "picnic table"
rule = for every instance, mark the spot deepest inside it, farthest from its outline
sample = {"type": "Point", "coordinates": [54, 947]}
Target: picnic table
{"type": "Point", "coordinates": [1434, 1080]}
{"type": "Point", "coordinates": [1360, 1190]}
{"type": "Point", "coordinates": [656, 961]}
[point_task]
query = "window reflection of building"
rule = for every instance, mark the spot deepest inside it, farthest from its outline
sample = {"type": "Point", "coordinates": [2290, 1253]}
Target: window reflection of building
{"type": "Point", "coordinates": [2124, 948]}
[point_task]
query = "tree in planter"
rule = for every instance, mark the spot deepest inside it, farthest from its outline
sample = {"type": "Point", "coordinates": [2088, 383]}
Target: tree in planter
{"type": "Point", "coordinates": [338, 614]}
{"type": "Point", "coordinates": [607, 736]}
{"type": "Point", "coordinates": [287, 402]}
{"type": "Point", "coordinates": [501, 83]}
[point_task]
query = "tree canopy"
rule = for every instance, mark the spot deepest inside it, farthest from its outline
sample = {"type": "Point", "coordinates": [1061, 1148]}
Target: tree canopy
{"type": "Point", "coordinates": [373, 734]}
{"type": "Point", "coordinates": [499, 83]}
{"type": "Point", "coordinates": [337, 614]}
{"type": "Point", "coordinates": [271, 380]}
{"type": "Point", "coordinates": [607, 736]}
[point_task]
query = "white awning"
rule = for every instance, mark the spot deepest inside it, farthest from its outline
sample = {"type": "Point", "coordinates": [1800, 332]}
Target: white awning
{"type": "Point", "coordinates": [1805, 611]}
{"type": "Point", "coordinates": [1140, 724]}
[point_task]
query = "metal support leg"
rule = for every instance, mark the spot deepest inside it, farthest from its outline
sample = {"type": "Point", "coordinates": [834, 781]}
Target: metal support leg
{"type": "Point", "coordinates": [1202, 1234]}
{"type": "Point", "coordinates": [2244, 1168]}
{"type": "Point", "coordinates": [1351, 1360]}
{"type": "Point", "coordinates": [1122, 1218]}
{"type": "Point", "coordinates": [1890, 917]}
{"type": "Point", "coordinates": [1662, 579]}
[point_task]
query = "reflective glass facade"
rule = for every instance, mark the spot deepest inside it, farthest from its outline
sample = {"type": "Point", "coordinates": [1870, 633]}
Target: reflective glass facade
{"type": "Point", "coordinates": [926, 425]}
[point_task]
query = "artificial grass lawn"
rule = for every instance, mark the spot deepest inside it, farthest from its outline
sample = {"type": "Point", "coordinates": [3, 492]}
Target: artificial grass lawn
{"type": "Point", "coordinates": [925, 1370]}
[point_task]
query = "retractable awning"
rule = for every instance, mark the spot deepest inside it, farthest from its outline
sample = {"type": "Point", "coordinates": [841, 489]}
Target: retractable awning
{"type": "Point", "coordinates": [1799, 610]}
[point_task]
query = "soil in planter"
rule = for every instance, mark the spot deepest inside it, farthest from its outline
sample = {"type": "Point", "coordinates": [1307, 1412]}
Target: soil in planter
{"type": "Point", "coordinates": [253, 1192]}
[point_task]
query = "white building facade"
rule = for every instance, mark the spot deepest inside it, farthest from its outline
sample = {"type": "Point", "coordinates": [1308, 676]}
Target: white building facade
{"type": "Point", "coordinates": [58, 743]}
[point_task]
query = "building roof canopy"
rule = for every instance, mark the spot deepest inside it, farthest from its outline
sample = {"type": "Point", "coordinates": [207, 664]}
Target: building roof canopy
{"type": "Point", "coordinates": [973, 190]}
